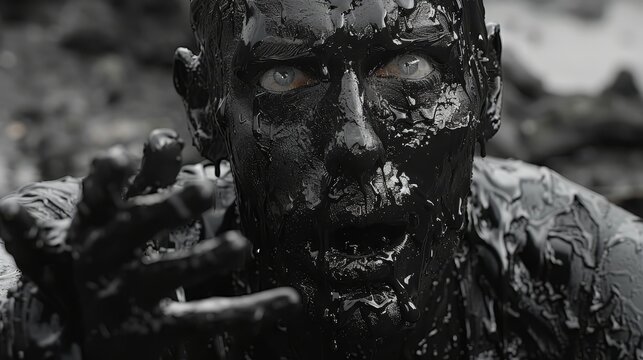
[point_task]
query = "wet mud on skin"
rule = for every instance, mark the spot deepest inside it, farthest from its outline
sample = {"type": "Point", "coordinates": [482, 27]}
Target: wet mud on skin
{"type": "Point", "coordinates": [562, 263]}
{"type": "Point", "coordinates": [347, 155]}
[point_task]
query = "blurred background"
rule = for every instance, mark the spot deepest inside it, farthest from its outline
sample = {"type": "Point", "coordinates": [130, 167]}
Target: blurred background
{"type": "Point", "coordinates": [77, 76]}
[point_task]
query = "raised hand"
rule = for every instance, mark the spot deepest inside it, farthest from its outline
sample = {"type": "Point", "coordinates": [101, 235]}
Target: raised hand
{"type": "Point", "coordinates": [115, 301]}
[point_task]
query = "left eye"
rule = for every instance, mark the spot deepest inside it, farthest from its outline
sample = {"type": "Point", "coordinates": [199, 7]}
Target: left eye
{"type": "Point", "coordinates": [407, 66]}
{"type": "Point", "coordinates": [285, 78]}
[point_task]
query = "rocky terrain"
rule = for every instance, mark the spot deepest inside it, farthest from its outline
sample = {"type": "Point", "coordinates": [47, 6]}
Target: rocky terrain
{"type": "Point", "coordinates": [573, 100]}
{"type": "Point", "coordinates": [77, 76]}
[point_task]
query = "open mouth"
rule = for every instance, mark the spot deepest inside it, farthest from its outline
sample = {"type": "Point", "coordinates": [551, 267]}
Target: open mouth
{"type": "Point", "coordinates": [366, 241]}
{"type": "Point", "coordinates": [358, 256]}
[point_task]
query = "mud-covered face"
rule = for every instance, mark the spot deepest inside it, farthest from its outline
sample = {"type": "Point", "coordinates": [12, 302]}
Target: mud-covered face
{"type": "Point", "coordinates": [350, 128]}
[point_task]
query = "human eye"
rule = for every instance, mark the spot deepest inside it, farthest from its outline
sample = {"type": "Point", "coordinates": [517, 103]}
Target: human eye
{"type": "Point", "coordinates": [282, 79]}
{"type": "Point", "coordinates": [406, 67]}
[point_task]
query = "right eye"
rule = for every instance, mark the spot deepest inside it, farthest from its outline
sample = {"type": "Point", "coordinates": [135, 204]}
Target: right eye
{"type": "Point", "coordinates": [408, 67]}
{"type": "Point", "coordinates": [285, 78]}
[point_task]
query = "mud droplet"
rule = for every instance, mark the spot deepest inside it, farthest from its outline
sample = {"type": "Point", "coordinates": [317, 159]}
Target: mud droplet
{"type": "Point", "coordinates": [410, 312]}
{"type": "Point", "coordinates": [428, 114]}
{"type": "Point", "coordinates": [429, 205]}
{"type": "Point", "coordinates": [256, 125]}
{"type": "Point", "coordinates": [399, 115]}
{"type": "Point", "coordinates": [323, 248]}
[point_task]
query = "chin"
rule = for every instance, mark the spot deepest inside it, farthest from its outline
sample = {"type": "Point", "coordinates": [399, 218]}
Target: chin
{"type": "Point", "coordinates": [361, 294]}
{"type": "Point", "coordinates": [366, 323]}
{"type": "Point", "coordinates": [375, 311]}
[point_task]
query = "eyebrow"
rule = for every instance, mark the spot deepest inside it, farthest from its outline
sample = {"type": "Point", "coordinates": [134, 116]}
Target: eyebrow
{"type": "Point", "coordinates": [275, 48]}
{"type": "Point", "coordinates": [283, 49]}
{"type": "Point", "coordinates": [436, 35]}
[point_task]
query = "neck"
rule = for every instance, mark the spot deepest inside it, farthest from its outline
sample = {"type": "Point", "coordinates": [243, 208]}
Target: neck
{"type": "Point", "coordinates": [441, 332]}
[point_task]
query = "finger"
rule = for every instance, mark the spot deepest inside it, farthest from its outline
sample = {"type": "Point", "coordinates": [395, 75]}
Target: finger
{"type": "Point", "coordinates": [221, 314]}
{"type": "Point", "coordinates": [17, 223]}
{"type": "Point", "coordinates": [21, 235]}
{"type": "Point", "coordinates": [149, 215]}
{"type": "Point", "coordinates": [102, 189]}
{"type": "Point", "coordinates": [158, 279]}
{"type": "Point", "coordinates": [161, 162]}
{"type": "Point", "coordinates": [20, 228]}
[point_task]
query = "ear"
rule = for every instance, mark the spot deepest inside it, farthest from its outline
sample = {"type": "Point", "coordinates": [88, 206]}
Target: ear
{"type": "Point", "coordinates": [191, 84]}
{"type": "Point", "coordinates": [493, 67]}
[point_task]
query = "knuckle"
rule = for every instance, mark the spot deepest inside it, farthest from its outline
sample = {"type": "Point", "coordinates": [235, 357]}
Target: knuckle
{"type": "Point", "coordinates": [9, 209]}
{"type": "Point", "coordinates": [162, 139]}
{"type": "Point", "coordinates": [236, 242]}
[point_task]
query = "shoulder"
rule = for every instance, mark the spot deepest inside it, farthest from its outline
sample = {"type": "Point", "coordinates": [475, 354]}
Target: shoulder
{"type": "Point", "coordinates": [555, 238]}
{"type": "Point", "coordinates": [50, 200]}
{"type": "Point", "coordinates": [616, 302]}
{"type": "Point", "coordinates": [510, 196]}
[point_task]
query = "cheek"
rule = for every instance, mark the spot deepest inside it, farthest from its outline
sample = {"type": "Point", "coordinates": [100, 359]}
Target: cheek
{"type": "Point", "coordinates": [294, 178]}
{"type": "Point", "coordinates": [242, 143]}
{"type": "Point", "coordinates": [275, 160]}
{"type": "Point", "coordinates": [452, 110]}
{"type": "Point", "coordinates": [430, 142]}
{"type": "Point", "coordinates": [426, 117]}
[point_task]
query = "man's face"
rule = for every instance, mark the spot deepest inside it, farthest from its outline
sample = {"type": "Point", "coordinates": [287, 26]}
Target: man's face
{"type": "Point", "coordinates": [350, 128]}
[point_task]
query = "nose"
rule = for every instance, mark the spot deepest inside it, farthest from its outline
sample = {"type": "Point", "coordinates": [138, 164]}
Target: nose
{"type": "Point", "coordinates": [355, 149]}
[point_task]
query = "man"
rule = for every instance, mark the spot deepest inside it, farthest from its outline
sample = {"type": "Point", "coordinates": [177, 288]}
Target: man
{"type": "Point", "coordinates": [351, 129]}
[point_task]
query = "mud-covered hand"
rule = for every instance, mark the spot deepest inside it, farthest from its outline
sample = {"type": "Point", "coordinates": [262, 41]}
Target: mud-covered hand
{"type": "Point", "coordinates": [114, 301]}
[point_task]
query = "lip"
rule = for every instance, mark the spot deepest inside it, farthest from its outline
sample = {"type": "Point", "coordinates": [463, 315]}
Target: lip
{"type": "Point", "coordinates": [372, 263]}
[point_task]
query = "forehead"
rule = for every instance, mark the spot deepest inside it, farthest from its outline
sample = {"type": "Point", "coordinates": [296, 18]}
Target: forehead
{"type": "Point", "coordinates": [320, 19]}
